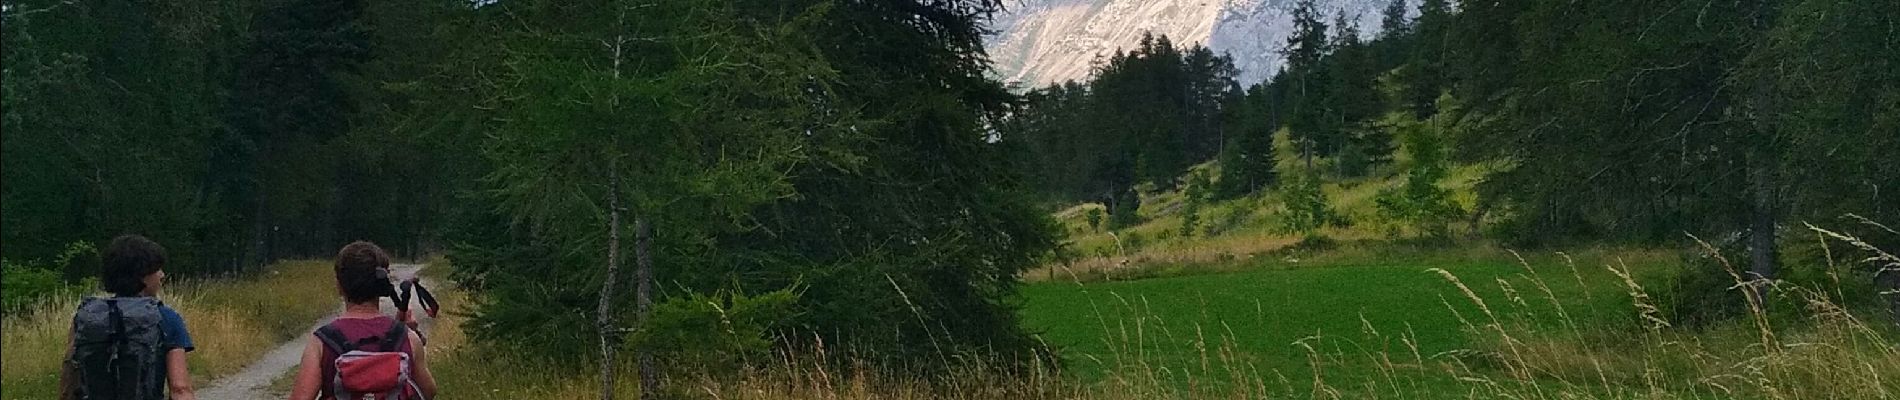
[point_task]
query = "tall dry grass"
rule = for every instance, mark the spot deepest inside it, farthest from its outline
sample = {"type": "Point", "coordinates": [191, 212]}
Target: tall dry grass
{"type": "Point", "coordinates": [232, 321]}
{"type": "Point", "coordinates": [1827, 352]}
{"type": "Point", "coordinates": [1823, 350]}
{"type": "Point", "coordinates": [1205, 254]}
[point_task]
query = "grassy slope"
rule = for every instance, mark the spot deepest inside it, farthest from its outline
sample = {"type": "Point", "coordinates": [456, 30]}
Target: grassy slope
{"type": "Point", "coordinates": [231, 321]}
{"type": "Point", "coordinates": [1232, 229]}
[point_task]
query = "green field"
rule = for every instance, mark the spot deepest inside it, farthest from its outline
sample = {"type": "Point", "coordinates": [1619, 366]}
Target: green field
{"type": "Point", "coordinates": [1361, 320]}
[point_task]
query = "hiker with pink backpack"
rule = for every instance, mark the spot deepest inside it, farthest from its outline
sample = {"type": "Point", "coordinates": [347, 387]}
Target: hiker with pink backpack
{"type": "Point", "coordinates": [365, 354]}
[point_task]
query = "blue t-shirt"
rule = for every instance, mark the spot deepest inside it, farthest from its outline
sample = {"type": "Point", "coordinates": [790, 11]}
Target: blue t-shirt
{"type": "Point", "coordinates": [173, 327]}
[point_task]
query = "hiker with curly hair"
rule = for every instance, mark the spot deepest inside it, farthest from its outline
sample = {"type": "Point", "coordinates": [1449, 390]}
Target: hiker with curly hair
{"type": "Point", "coordinates": [129, 346]}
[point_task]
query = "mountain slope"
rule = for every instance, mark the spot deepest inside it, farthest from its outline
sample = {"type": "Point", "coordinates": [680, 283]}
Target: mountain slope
{"type": "Point", "coordinates": [1040, 42]}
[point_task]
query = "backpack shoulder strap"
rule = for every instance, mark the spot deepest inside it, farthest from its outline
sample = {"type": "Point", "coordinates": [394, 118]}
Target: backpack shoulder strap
{"type": "Point", "coordinates": [334, 339]}
{"type": "Point", "coordinates": [398, 333]}
{"type": "Point", "coordinates": [116, 317]}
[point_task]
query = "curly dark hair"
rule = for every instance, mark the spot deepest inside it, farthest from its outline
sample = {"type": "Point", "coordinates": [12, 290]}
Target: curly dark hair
{"type": "Point", "coordinates": [126, 263]}
{"type": "Point", "coordinates": [362, 271]}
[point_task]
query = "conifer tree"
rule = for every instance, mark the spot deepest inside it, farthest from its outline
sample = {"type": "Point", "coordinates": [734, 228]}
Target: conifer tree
{"type": "Point", "coordinates": [1307, 82]}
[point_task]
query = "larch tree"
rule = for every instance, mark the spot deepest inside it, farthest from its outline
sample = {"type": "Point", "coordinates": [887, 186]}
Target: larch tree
{"type": "Point", "coordinates": [674, 115]}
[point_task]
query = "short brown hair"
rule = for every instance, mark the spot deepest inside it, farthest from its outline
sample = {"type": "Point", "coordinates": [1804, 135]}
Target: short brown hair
{"type": "Point", "coordinates": [362, 271]}
{"type": "Point", "coordinates": [126, 263]}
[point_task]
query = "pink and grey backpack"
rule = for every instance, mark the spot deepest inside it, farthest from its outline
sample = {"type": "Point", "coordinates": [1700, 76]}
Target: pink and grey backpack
{"type": "Point", "coordinates": [373, 367]}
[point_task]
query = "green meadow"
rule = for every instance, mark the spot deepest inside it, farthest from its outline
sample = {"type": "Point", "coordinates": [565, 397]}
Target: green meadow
{"type": "Point", "coordinates": [1282, 321]}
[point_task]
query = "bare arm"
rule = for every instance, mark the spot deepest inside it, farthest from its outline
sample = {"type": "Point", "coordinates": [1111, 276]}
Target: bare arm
{"type": "Point", "coordinates": [408, 319]}
{"type": "Point", "coordinates": [65, 370]}
{"type": "Point", "coordinates": [178, 375]}
{"type": "Point", "coordinates": [310, 372]}
{"type": "Point", "coordinates": [425, 380]}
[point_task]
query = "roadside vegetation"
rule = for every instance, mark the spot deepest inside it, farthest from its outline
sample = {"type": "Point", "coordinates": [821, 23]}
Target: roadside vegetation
{"type": "Point", "coordinates": [232, 321]}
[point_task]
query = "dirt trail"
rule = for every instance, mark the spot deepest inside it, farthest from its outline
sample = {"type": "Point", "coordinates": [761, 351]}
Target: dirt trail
{"type": "Point", "coordinates": [253, 382]}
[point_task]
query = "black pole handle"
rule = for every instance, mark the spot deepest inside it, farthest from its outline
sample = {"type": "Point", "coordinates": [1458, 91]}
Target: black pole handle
{"type": "Point", "coordinates": [429, 305]}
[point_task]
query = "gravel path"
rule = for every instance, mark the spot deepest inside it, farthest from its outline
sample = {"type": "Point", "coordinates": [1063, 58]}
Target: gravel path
{"type": "Point", "coordinates": [253, 382]}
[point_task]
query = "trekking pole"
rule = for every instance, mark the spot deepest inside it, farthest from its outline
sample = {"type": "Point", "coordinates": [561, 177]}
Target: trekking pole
{"type": "Point", "coordinates": [429, 305]}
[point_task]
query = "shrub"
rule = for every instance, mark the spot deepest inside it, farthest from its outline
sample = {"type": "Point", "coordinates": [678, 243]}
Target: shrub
{"type": "Point", "coordinates": [26, 285]}
{"type": "Point", "coordinates": [74, 269]}
{"type": "Point", "coordinates": [718, 333]}
{"type": "Point", "coordinates": [1124, 211]}
{"type": "Point", "coordinates": [1700, 295]}
{"type": "Point", "coordinates": [1133, 242]}
{"type": "Point", "coordinates": [1306, 209]}
{"type": "Point", "coordinates": [1420, 202]}
{"type": "Point", "coordinates": [1199, 189]}
{"type": "Point", "coordinates": [1308, 245]}
{"type": "Point", "coordinates": [1704, 292]}
{"type": "Point", "coordinates": [78, 262]}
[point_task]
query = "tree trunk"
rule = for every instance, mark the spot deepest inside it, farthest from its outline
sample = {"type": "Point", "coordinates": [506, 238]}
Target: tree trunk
{"type": "Point", "coordinates": [260, 232]}
{"type": "Point", "coordinates": [605, 321]}
{"type": "Point", "coordinates": [1887, 282]}
{"type": "Point", "coordinates": [1477, 220]}
{"type": "Point", "coordinates": [604, 311]}
{"type": "Point", "coordinates": [1306, 152]}
{"type": "Point", "coordinates": [1761, 225]}
{"type": "Point", "coordinates": [643, 300]}
{"type": "Point", "coordinates": [1761, 173]}
{"type": "Point", "coordinates": [260, 225]}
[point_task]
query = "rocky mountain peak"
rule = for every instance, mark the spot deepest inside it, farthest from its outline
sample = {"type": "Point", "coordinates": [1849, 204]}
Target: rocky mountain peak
{"type": "Point", "coordinates": [1040, 42]}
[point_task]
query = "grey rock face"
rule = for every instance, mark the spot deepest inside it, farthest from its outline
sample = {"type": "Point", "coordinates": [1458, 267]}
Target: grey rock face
{"type": "Point", "coordinates": [1039, 42]}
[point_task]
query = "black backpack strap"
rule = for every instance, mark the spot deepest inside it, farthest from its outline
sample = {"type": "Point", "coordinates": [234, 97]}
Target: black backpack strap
{"type": "Point", "coordinates": [116, 340]}
{"type": "Point", "coordinates": [398, 333]}
{"type": "Point", "coordinates": [335, 340]}
{"type": "Point", "coordinates": [117, 319]}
